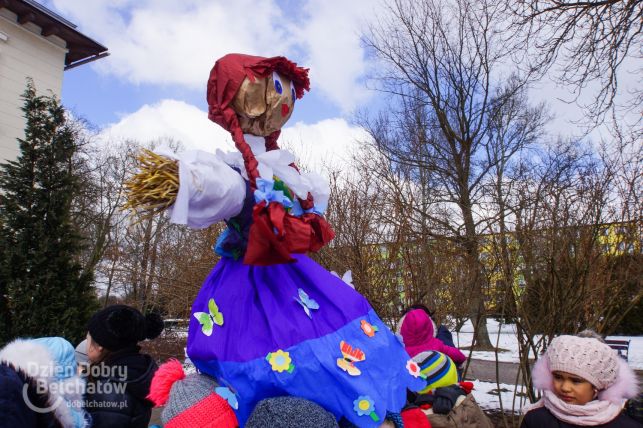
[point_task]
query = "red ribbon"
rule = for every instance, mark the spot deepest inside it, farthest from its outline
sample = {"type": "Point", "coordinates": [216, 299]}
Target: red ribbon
{"type": "Point", "coordinates": [275, 234]}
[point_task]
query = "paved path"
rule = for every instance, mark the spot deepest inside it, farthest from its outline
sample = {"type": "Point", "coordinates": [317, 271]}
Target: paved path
{"type": "Point", "coordinates": [486, 371]}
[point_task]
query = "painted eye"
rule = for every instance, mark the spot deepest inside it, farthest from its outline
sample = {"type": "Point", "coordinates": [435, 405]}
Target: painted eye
{"type": "Point", "coordinates": [293, 93]}
{"type": "Point", "coordinates": [277, 80]}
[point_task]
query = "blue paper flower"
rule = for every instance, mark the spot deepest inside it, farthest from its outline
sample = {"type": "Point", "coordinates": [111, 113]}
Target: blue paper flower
{"type": "Point", "coordinates": [316, 209]}
{"type": "Point", "coordinates": [296, 209]}
{"type": "Point", "coordinates": [364, 406]}
{"type": "Point", "coordinates": [266, 192]}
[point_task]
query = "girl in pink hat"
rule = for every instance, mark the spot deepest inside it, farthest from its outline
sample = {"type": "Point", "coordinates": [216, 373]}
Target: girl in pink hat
{"type": "Point", "coordinates": [418, 333]}
{"type": "Point", "coordinates": [584, 383]}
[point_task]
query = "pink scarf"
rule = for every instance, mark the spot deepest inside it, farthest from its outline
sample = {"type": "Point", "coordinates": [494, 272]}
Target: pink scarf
{"type": "Point", "coordinates": [594, 413]}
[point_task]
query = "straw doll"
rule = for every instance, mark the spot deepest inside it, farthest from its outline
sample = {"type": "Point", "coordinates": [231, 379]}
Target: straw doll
{"type": "Point", "coordinates": [268, 321]}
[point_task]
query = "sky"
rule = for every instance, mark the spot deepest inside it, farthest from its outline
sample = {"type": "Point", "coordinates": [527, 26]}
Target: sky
{"type": "Point", "coordinates": [161, 51]}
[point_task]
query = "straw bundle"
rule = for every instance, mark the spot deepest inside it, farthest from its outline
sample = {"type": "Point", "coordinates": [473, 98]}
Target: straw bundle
{"type": "Point", "coordinates": [155, 186]}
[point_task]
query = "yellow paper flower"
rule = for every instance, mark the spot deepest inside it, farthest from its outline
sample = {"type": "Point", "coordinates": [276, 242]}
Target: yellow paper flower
{"type": "Point", "coordinates": [280, 361]}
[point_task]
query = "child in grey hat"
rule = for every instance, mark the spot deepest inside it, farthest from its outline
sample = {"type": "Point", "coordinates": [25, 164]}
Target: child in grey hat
{"type": "Point", "coordinates": [290, 412]}
{"type": "Point", "coordinates": [191, 401]}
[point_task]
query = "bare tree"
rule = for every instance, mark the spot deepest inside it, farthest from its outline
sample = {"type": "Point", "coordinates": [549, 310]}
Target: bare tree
{"type": "Point", "coordinates": [96, 209]}
{"type": "Point", "coordinates": [378, 241]}
{"type": "Point", "coordinates": [562, 261]}
{"type": "Point", "coordinates": [587, 40]}
{"type": "Point", "coordinates": [441, 62]}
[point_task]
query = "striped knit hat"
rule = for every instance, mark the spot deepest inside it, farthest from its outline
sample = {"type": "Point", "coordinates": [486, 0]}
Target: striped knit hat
{"type": "Point", "coordinates": [190, 401]}
{"type": "Point", "coordinates": [438, 368]}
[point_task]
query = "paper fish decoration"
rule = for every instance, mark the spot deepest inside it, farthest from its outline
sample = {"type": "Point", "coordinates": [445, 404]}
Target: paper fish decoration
{"type": "Point", "coordinates": [306, 302]}
{"type": "Point", "coordinates": [350, 357]}
{"type": "Point", "coordinates": [209, 319]}
{"type": "Point", "coordinates": [368, 328]}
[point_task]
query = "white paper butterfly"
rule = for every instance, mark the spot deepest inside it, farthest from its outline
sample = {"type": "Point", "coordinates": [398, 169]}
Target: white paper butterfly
{"type": "Point", "coordinates": [347, 278]}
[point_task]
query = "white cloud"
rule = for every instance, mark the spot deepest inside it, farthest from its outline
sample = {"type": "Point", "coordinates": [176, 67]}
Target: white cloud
{"type": "Point", "coordinates": [170, 119]}
{"type": "Point", "coordinates": [324, 145]}
{"type": "Point", "coordinates": [164, 42]}
{"type": "Point", "coordinates": [318, 146]}
{"type": "Point", "coordinates": [331, 38]}
{"type": "Point", "coordinates": [168, 42]}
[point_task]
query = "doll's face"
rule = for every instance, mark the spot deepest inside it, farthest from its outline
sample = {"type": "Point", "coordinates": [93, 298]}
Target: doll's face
{"type": "Point", "coordinates": [265, 105]}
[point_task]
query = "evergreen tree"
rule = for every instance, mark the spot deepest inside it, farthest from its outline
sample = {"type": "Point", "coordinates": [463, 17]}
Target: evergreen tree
{"type": "Point", "coordinates": [47, 292]}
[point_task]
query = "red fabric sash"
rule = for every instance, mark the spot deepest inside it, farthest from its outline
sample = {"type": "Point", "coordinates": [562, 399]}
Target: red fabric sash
{"type": "Point", "coordinates": [275, 234]}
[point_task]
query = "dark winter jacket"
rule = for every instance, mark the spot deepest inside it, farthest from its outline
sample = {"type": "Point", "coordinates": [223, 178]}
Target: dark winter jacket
{"type": "Point", "coordinates": [13, 408]}
{"type": "Point", "coordinates": [543, 418]}
{"type": "Point", "coordinates": [445, 336]}
{"type": "Point", "coordinates": [45, 370]}
{"type": "Point", "coordinates": [634, 408]}
{"type": "Point", "coordinates": [116, 398]}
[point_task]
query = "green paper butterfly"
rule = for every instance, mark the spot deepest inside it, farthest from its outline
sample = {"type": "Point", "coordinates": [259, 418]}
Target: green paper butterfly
{"type": "Point", "coordinates": [208, 320]}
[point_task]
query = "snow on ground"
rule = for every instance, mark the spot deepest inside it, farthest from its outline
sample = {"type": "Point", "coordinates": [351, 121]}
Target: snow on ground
{"type": "Point", "coordinates": [504, 336]}
{"type": "Point", "coordinates": [488, 396]}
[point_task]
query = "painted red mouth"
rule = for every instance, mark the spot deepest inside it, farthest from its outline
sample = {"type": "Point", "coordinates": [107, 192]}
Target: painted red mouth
{"type": "Point", "coordinates": [284, 110]}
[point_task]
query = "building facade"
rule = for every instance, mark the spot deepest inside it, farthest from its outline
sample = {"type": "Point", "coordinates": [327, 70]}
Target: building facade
{"type": "Point", "coordinates": [38, 44]}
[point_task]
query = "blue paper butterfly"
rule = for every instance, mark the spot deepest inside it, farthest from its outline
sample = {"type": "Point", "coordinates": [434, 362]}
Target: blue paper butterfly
{"type": "Point", "coordinates": [225, 393]}
{"type": "Point", "coordinates": [306, 302]}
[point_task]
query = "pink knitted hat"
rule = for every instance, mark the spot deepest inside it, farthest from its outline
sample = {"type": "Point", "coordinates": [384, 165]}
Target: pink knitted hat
{"type": "Point", "coordinates": [591, 360]}
{"type": "Point", "coordinates": [585, 357]}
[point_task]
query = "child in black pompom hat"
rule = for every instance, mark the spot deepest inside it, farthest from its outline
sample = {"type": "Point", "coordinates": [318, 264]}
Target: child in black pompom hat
{"type": "Point", "coordinates": [119, 326]}
{"type": "Point", "coordinates": [119, 375]}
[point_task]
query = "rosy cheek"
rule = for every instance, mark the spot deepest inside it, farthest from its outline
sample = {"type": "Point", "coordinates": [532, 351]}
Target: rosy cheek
{"type": "Point", "coordinates": [284, 110]}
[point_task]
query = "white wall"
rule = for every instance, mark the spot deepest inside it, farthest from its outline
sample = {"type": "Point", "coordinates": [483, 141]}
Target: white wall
{"type": "Point", "coordinates": [24, 54]}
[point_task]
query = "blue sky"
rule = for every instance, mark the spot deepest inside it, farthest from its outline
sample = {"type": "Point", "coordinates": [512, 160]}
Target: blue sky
{"type": "Point", "coordinates": [104, 99]}
{"type": "Point", "coordinates": [153, 83]}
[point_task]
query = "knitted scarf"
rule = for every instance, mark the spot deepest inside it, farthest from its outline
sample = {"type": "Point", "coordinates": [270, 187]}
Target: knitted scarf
{"type": "Point", "coordinates": [597, 412]}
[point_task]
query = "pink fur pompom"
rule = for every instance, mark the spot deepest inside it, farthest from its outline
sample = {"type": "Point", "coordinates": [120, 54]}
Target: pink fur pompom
{"type": "Point", "coordinates": [162, 382]}
{"type": "Point", "coordinates": [541, 375]}
{"type": "Point", "coordinates": [625, 386]}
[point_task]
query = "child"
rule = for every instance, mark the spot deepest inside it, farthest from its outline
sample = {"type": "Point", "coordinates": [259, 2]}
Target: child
{"type": "Point", "coordinates": [26, 365]}
{"type": "Point", "coordinates": [417, 330]}
{"type": "Point", "coordinates": [290, 412]}
{"type": "Point", "coordinates": [584, 383]}
{"type": "Point", "coordinates": [439, 331]}
{"type": "Point", "coordinates": [194, 401]}
{"type": "Point", "coordinates": [119, 375]}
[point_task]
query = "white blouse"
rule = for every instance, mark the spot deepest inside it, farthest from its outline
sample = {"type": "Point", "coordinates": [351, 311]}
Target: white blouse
{"type": "Point", "coordinates": [210, 190]}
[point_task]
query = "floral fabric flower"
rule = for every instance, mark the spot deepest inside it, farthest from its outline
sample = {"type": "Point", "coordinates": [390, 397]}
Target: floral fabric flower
{"type": "Point", "coordinates": [280, 361]}
{"type": "Point", "coordinates": [365, 406]}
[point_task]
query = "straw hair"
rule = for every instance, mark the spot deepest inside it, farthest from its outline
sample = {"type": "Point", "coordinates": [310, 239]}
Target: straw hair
{"type": "Point", "coordinates": [155, 186]}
